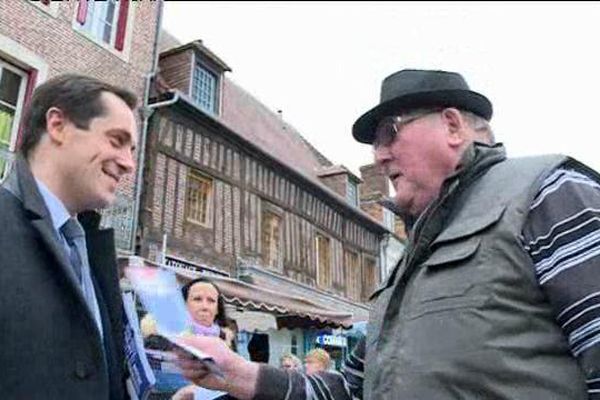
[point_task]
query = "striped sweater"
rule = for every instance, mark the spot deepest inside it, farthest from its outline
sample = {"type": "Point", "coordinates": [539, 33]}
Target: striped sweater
{"type": "Point", "coordinates": [562, 236]}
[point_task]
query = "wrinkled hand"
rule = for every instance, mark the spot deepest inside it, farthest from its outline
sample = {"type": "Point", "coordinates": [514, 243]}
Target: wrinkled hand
{"type": "Point", "coordinates": [240, 376]}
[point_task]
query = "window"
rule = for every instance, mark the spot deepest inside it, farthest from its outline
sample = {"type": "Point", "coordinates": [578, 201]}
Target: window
{"type": "Point", "coordinates": [370, 277]}
{"type": "Point", "coordinates": [353, 277]}
{"type": "Point", "coordinates": [389, 219]}
{"type": "Point", "coordinates": [294, 345]}
{"type": "Point", "coordinates": [12, 91]}
{"type": "Point", "coordinates": [199, 189]}
{"type": "Point", "coordinates": [323, 261]}
{"type": "Point", "coordinates": [352, 192]}
{"type": "Point", "coordinates": [105, 21]}
{"type": "Point", "coordinates": [204, 89]}
{"type": "Point", "coordinates": [271, 224]}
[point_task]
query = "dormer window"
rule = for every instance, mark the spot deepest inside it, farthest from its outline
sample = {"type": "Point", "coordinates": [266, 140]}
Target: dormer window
{"type": "Point", "coordinates": [204, 89]}
{"type": "Point", "coordinates": [197, 72]}
{"type": "Point", "coordinates": [352, 192]}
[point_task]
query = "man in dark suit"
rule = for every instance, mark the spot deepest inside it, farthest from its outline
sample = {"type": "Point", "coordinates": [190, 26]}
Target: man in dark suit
{"type": "Point", "coordinates": [61, 327]}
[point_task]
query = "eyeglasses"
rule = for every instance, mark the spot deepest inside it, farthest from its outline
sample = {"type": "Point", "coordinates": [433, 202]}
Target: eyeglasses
{"type": "Point", "coordinates": [389, 127]}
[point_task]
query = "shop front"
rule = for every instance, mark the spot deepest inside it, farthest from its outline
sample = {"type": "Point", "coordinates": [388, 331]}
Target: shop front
{"type": "Point", "coordinates": [269, 323]}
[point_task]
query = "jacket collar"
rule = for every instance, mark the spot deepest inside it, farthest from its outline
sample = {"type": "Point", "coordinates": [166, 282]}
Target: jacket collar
{"type": "Point", "coordinates": [476, 159]}
{"type": "Point", "coordinates": [21, 183]}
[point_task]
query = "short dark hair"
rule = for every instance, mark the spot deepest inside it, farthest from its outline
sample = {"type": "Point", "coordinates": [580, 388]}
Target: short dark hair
{"type": "Point", "coordinates": [221, 317]}
{"type": "Point", "coordinates": [77, 96]}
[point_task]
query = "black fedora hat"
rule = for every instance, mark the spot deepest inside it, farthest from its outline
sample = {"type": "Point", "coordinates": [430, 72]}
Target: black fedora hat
{"type": "Point", "coordinates": [410, 89]}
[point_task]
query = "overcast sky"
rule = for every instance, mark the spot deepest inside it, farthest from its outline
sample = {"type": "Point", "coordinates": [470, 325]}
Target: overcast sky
{"type": "Point", "coordinates": [322, 63]}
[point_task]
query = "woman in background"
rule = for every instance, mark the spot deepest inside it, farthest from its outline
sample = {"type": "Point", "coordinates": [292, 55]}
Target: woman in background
{"type": "Point", "coordinates": [206, 307]}
{"type": "Point", "coordinates": [291, 362]}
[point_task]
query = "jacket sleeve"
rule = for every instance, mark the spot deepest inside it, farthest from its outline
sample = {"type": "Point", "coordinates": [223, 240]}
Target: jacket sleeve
{"type": "Point", "coordinates": [562, 237]}
{"type": "Point", "coordinates": [277, 384]}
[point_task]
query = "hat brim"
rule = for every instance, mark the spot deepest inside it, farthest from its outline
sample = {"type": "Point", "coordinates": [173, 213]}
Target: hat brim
{"type": "Point", "coordinates": [363, 129]}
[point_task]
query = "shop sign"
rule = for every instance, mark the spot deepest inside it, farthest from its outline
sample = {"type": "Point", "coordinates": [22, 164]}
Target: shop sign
{"type": "Point", "coordinates": [332, 340]}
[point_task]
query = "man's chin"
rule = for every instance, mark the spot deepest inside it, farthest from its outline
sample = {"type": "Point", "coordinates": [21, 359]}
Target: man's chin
{"type": "Point", "coordinates": [402, 206]}
{"type": "Point", "coordinates": [105, 201]}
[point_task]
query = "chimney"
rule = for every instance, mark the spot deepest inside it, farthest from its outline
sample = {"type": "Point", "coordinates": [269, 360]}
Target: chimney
{"type": "Point", "coordinates": [373, 182]}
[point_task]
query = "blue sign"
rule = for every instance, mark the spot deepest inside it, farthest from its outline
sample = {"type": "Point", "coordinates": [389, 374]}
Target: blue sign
{"type": "Point", "coordinates": [332, 340]}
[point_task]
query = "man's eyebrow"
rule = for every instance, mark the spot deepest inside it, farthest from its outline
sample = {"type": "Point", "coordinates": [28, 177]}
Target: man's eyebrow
{"type": "Point", "coordinates": [123, 133]}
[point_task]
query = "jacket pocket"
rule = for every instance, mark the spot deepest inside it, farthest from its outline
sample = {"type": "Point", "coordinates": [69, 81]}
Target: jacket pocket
{"type": "Point", "coordinates": [447, 304]}
{"type": "Point", "coordinates": [466, 226]}
{"type": "Point", "coordinates": [452, 254]}
{"type": "Point", "coordinates": [447, 281]}
{"type": "Point", "coordinates": [456, 265]}
{"type": "Point", "coordinates": [454, 276]}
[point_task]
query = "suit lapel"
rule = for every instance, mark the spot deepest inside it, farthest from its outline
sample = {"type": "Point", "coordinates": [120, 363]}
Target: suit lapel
{"type": "Point", "coordinates": [22, 184]}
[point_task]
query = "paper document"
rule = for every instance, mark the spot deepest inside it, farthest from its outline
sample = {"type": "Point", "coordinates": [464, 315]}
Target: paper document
{"type": "Point", "coordinates": [201, 393]}
{"type": "Point", "coordinates": [142, 379]}
{"type": "Point", "coordinates": [161, 295]}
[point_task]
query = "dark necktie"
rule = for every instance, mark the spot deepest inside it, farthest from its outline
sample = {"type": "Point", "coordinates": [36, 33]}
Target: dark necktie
{"type": "Point", "coordinates": [75, 237]}
{"type": "Point", "coordinates": [73, 233]}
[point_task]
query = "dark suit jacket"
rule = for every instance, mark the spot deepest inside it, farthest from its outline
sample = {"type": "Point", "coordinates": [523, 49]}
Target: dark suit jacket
{"type": "Point", "coordinates": [50, 347]}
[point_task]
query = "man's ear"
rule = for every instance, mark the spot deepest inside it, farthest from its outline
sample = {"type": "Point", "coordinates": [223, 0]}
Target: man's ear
{"type": "Point", "coordinates": [55, 125]}
{"type": "Point", "coordinates": [455, 124]}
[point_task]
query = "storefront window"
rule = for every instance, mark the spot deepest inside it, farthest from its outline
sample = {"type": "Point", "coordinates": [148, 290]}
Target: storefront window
{"type": "Point", "coordinates": [294, 345]}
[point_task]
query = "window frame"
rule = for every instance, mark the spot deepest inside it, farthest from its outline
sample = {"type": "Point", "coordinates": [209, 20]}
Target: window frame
{"type": "Point", "coordinates": [329, 277]}
{"type": "Point", "coordinates": [6, 153]}
{"type": "Point", "coordinates": [20, 101]}
{"type": "Point", "coordinates": [198, 176]}
{"type": "Point", "coordinates": [121, 45]}
{"type": "Point", "coordinates": [365, 290]}
{"type": "Point", "coordinates": [350, 292]}
{"type": "Point", "coordinates": [266, 252]}
{"type": "Point", "coordinates": [352, 198]}
{"type": "Point", "coordinates": [199, 64]}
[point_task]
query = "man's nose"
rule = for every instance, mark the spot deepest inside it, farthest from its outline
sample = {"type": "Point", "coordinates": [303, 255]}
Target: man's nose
{"type": "Point", "coordinates": [127, 161]}
{"type": "Point", "coordinates": [381, 155]}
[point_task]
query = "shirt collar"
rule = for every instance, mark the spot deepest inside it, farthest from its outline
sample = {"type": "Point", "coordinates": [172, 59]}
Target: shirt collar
{"type": "Point", "coordinates": [58, 211]}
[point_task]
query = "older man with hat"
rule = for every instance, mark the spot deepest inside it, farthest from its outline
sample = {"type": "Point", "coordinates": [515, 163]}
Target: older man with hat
{"type": "Point", "coordinates": [498, 293]}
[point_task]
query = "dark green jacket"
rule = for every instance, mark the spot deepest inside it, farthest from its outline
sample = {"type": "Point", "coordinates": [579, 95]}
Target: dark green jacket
{"type": "Point", "coordinates": [462, 316]}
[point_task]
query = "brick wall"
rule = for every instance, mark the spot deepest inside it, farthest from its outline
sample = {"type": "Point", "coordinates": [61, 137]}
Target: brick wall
{"type": "Point", "coordinates": [49, 34]}
{"type": "Point", "coordinates": [175, 69]}
{"type": "Point", "coordinates": [338, 183]}
{"type": "Point", "coordinates": [373, 181]}
{"type": "Point", "coordinates": [67, 50]}
{"type": "Point", "coordinates": [374, 209]}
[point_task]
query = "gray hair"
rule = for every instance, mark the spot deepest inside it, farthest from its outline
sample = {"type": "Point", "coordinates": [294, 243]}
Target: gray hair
{"type": "Point", "coordinates": [480, 125]}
